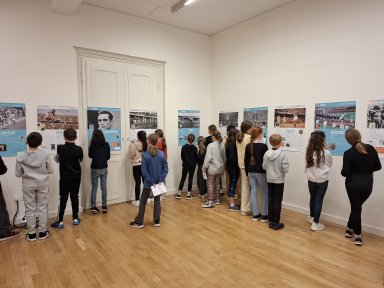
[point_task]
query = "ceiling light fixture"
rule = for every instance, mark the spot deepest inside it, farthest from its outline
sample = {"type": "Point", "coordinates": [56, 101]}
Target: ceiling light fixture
{"type": "Point", "coordinates": [176, 7]}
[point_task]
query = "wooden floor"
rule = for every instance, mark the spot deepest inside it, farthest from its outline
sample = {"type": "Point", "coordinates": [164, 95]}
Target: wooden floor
{"type": "Point", "coordinates": [194, 247]}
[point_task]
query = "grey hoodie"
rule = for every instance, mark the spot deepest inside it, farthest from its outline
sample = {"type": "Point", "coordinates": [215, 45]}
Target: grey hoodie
{"type": "Point", "coordinates": [214, 161]}
{"type": "Point", "coordinates": [276, 164]}
{"type": "Point", "coordinates": [34, 167]}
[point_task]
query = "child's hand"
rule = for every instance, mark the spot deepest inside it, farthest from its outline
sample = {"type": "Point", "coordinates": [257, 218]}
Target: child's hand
{"type": "Point", "coordinates": [205, 176]}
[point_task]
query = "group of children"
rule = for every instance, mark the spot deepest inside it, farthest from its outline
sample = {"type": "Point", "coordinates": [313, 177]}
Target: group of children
{"type": "Point", "coordinates": [245, 155]}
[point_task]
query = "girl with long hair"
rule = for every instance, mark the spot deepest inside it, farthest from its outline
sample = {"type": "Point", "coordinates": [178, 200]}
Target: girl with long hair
{"type": "Point", "coordinates": [134, 155]}
{"type": "Point", "coordinates": [201, 182]}
{"type": "Point", "coordinates": [253, 163]}
{"type": "Point", "coordinates": [242, 139]}
{"type": "Point", "coordinates": [359, 163]}
{"type": "Point", "coordinates": [232, 167]}
{"type": "Point", "coordinates": [154, 168]}
{"type": "Point", "coordinates": [318, 164]}
{"type": "Point", "coordinates": [100, 153]}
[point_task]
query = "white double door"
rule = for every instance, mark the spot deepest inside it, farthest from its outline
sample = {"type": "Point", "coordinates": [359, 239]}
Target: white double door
{"type": "Point", "coordinates": [120, 82]}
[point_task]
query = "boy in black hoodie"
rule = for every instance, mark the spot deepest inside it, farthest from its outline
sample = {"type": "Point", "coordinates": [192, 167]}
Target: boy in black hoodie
{"type": "Point", "coordinates": [189, 158]}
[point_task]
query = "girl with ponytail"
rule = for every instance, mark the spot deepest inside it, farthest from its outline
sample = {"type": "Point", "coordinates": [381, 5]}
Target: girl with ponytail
{"type": "Point", "coordinates": [359, 163]}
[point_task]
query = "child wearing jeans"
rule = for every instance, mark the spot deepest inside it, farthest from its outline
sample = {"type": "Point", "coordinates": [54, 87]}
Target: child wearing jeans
{"type": "Point", "coordinates": [34, 166]}
{"type": "Point", "coordinates": [318, 164]}
{"type": "Point", "coordinates": [276, 164]}
{"type": "Point", "coordinates": [69, 157]}
{"type": "Point", "coordinates": [189, 158]}
{"type": "Point", "coordinates": [100, 153]}
{"type": "Point", "coordinates": [213, 168]}
{"type": "Point", "coordinates": [154, 168]}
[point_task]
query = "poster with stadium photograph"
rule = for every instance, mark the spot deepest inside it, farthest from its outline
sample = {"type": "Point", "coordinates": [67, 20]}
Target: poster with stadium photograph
{"type": "Point", "coordinates": [51, 123]}
{"type": "Point", "coordinates": [375, 125]}
{"type": "Point", "coordinates": [13, 125]}
{"type": "Point", "coordinates": [259, 117]}
{"type": "Point", "coordinates": [289, 122]}
{"type": "Point", "coordinates": [334, 118]}
{"type": "Point", "coordinates": [188, 123]}
{"type": "Point", "coordinates": [145, 120]}
{"type": "Point", "coordinates": [227, 118]}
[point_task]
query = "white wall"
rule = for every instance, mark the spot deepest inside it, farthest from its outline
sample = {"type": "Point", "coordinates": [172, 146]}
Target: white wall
{"type": "Point", "coordinates": [305, 53]}
{"type": "Point", "coordinates": [38, 66]}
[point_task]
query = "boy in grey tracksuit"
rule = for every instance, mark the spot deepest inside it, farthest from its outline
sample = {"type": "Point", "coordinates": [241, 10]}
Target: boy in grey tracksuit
{"type": "Point", "coordinates": [275, 163]}
{"type": "Point", "coordinates": [33, 166]}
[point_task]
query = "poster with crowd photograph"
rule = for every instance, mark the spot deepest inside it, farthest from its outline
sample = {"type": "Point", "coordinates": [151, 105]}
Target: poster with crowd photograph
{"type": "Point", "coordinates": [109, 121]}
{"type": "Point", "coordinates": [145, 120]}
{"type": "Point", "coordinates": [289, 122]}
{"type": "Point", "coordinates": [13, 129]}
{"type": "Point", "coordinates": [375, 125]}
{"type": "Point", "coordinates": [334, 118]}
{"type": "Point", "coordinates": [188, 123]}
{"type": "Point", "coordinates": [51, 123]}
{"type": "Point", "coordinates": [259, 117]}
{"type": "Point", "coordinates": [227, 118]}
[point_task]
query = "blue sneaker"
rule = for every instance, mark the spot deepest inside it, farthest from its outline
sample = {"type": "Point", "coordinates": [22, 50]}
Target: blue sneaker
{"type": "Point", "coordinates": [76, 221]}
{"type": "Point", "coordinates": [57, 224]}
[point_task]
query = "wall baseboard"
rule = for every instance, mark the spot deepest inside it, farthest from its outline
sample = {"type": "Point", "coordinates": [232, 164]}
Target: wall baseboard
{"type": "Point", "coordinates": [335, 219]}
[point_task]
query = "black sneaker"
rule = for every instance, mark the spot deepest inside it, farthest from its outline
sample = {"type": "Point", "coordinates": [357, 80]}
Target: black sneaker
{"type": "Point", "coordinates": [270, 225]}
{"type": "Point", "coordinates": [264, 218]}
{"type": "Point", "coordinates": [104, 209]}
{"type": "Point", "coordinates": [278, 226]}
{"type": "Point", "coordinates": [256, 217]}
{"type": "Point", "coordinates": [349, 233]}
{"type": "Point", "coordinates": [95, 210]}
{"type": "Point", "coordinates": [57, 224]}
{"type": "Point", "coordinates": [136, 225]}
{"type": "Point", "coordinates": [44, 235]}
{"type": "Point", "coordinates": [9, 235]}
{"type": "Point", "coordinates": [233, 208]}
{"type": "Point", "coordinates": [177, 196]}
{"type": "Point", "coordinates": [357, 240]}
{"type": "Point", "coordinates": [30, 237]}
{"type": "Point", "coordinates": [157, 223]}
{"type": "Point", "coordinates": [189, 196]}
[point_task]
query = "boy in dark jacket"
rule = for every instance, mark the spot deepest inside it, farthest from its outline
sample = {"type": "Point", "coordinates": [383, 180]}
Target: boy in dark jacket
{"type": "Point", "coordinates": [189, 158]}
{"type": "Point", "coordinates": [69, 157]}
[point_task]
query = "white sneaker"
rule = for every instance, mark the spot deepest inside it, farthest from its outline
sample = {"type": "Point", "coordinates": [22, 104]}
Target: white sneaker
{"type": "Point", "coordinates": [208, 204]}
{"type": "Point", "coordinates": [136, 203]}
{"type": "Point", "coordinates": [310, 219]}
{"type": "Point", "coordinates": [317, 226]}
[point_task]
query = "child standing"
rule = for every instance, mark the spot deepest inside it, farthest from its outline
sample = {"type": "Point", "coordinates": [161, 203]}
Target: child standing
{"type": "Point", "coordinates": [154, 167]}
{"type": "Point", "coordinates": [134, 155]}
{"type": "Point", "coordinates": [100, 153]}
{"type": "Point", "coordinates": [213, 168]}
{"type": "Point", "coordinates": [201, 182]}
{"type": "Point", "coordinates": [318, 163]}
{"type": "Point", "coordinates": [253, 162]}
{"type": "Point", "coordinates": [33, 166]}
{"type": "Point", "coordinates": [189, 158]}
{"type": "Point", "coordinates": [276, 164]}
{"type": "Point", "coordinates": [232, 167]}
{"type": "Point", "coordinates": [69, 157]}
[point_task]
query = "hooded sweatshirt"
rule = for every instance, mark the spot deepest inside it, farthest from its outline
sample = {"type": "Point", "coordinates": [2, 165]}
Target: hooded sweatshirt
{"type": "Point", "coordinates": [276, 164]}
{"type": "Point", "coordinates": [214, 160]}
{"type": "Point", "coordinates": [320, 174]}
{"type": "Point", "coordinates": [34, 167]}
{"type": "Point", "coordinates": [189, 156]}
{"type": "Point", "coordinates": [134, 153]}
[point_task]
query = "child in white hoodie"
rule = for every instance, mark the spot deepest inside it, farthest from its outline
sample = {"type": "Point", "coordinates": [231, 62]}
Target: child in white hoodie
{"type": "Point", "coordinates": [33, 166]}
{"type": "Point", "coordinates": [134, 155]}
{"type": "Point", "coordinates": [276, 164]}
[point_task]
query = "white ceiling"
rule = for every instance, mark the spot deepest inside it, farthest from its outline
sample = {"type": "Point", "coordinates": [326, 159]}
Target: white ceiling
{"type": "Point", "coordinates": [202, 16]}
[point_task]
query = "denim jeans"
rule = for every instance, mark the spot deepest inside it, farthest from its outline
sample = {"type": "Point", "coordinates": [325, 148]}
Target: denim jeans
{"type": "Point", "coordinates": [317, 191]}
{"type": "Point", "coordinates": [258, 182]}
{"type": "Point", "coordinates": [95, 174]}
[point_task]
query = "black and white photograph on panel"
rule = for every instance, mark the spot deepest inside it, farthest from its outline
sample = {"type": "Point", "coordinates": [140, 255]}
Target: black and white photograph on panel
{"type": "Point", "coordinates": [375, 114]}
{"type": "Point", "coordinates": [142, 119]}
{"type": "Point", "coordinates": [228, 118]}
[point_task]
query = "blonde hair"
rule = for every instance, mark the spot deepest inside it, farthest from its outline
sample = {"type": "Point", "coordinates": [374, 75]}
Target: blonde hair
{"type": "Point", "coordinates": [275, 139]}
{"type": "Point", "coordinates": [152, 141]}
{"type": "Point", "coordinates": [353, 136]}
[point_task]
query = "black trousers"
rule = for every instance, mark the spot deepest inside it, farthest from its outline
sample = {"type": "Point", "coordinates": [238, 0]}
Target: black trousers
{"type": "Point", "coordinates": [4, 217]}
{"type": "Point", "coordinates": [233, 174]}
{"type": "Point", "coordinates": [359, 188]}
{"type": "Point", "coordinates": [275, 197]}
{"type": "Point", "coordinates": [201, 182]}
{"type": "Point", "coordinates": [138, 177]}
{"type": "Point", "coordinates": [184, 173]}
{"type": "Point", "coordinates": [69, 186]}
